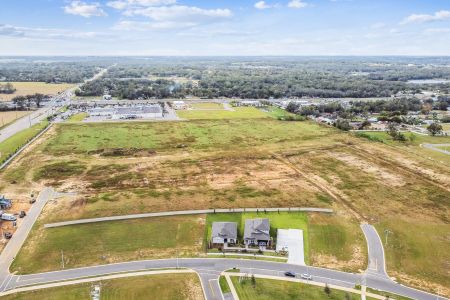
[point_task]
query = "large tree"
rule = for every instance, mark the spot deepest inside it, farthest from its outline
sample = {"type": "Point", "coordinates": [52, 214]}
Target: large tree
{"type": "Point", "coordinates": [434, 129]}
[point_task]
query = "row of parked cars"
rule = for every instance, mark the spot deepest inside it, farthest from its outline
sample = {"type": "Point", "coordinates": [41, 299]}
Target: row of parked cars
{"type": "Point", "coordinates": [13, 218]}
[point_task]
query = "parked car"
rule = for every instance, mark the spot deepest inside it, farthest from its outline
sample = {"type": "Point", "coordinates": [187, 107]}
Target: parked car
{"type": "Point", "coordinates": [289, 274]}
{"type": "Point", "coordinates": [32, 201]}
{"type": "Point", "coordinates": [22, 214]}
{"type": "Point", "coordinates": [306, 276]}
{"type": "Point", "coordinates": [8, 217]}
{"type": "Point", "coordinates": [8, 235]}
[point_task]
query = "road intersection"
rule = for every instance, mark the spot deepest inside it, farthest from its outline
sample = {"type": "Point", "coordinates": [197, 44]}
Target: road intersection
{"type": "Point", "coordinates": [209, 269]}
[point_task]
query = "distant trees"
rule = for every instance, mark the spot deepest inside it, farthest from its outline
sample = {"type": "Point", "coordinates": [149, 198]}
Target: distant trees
{"type": "Point", "coordinates": [7, 88]}
{"type": "Point", "coordinates": [434, 128]}
{"type": "Point", "coordinates": [25, 101]}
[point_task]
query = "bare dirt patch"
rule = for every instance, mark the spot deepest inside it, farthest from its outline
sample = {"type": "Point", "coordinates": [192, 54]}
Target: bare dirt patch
{"type": "Point", "coordinates": [379, 172]}
{"type": "Point", "coordinates": [330, 261]}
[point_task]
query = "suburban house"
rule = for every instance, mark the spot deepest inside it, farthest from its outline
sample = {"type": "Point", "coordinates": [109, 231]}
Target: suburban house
{"type": "Point", "coordinates": [257, 232]}
{"type": "Point", "coordinates": [223, 233]}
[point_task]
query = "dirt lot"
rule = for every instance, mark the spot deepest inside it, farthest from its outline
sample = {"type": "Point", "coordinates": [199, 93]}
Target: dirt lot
{"type": "Point", "coordinates": [250, 163]}
{"type": "Point", "coordinates": [28, 88]}
{"type": "Point", "coordinates": [7, 117]}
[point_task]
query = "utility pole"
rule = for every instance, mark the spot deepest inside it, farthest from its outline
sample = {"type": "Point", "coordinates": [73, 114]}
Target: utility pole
{"type": "Point", "coordinates": [386, 233]}
{"type": "Point", "coordinates": [177, 260]}
{"type": "Point", "coordinates": [62, 258]}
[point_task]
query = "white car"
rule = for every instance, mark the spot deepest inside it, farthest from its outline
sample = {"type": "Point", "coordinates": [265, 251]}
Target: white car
{"type": "Point", "coordinates": [306, 276]}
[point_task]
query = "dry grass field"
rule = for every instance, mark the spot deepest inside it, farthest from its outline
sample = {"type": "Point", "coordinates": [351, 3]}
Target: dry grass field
{"type": "Point", "coordinates": [144, 167]}
{"type": "Point", "coordinates": [7, 117]}
{"type": "Point", "coordinates": [28, 88]}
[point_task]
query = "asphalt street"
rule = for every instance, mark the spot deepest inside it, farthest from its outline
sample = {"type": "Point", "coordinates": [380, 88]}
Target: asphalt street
{"type": "Point", "coordinates": [377, 264]}
{"type": "Point", "coordinates": [209, 269]}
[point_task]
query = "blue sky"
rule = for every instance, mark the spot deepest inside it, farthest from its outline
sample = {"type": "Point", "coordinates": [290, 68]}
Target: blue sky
{"type": "Point", "coordinates": [183, 27]}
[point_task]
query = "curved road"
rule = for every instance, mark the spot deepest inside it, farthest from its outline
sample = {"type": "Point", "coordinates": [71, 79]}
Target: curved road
{"type": "Point", "coordinates": [209, 269]}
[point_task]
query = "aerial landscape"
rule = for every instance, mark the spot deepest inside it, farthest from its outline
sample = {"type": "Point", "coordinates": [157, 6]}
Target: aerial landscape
{"type": "Point", "coordinates": [170, 149]}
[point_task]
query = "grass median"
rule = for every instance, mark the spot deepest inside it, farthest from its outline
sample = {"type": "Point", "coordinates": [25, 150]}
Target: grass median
{"type": "Point", "coordinates": [164, 287]}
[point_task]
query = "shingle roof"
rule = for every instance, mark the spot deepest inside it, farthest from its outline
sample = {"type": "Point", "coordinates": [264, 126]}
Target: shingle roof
{"type": "Point", "coordinates": [258, 229]}
{"type": "Point", "coordinates": [227, 230]}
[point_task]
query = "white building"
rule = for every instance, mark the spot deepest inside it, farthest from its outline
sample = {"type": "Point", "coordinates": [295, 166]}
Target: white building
{"type": "Point", "coordinates": [179, 105]}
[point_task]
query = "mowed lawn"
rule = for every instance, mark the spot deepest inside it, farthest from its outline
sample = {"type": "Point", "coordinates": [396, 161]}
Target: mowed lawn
{"type": "Point", "coordinates": [7, 117]}
{"type": "Point", "coordinates": [207, 105]}
{"type": "Point", "coordinates": [237, 113]}
{"type": "Point", "coordinates": [267, 289]}
{"type": "Point", "coordinates": [109, 242]}
{"type": "Point", "coordinates": [29, 88]}
{"type": "Point", "coordinates": [163, 286]}
{"type": "Point", "coordinates": [12, 144]}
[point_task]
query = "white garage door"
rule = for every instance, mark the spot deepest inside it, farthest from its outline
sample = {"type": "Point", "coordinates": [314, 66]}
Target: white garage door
{"type": "Point", "coordinates": [291, 240]}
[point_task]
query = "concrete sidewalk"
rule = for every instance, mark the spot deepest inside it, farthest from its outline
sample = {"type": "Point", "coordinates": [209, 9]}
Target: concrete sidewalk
{"type": "Point", "coordinates": [188, 212]}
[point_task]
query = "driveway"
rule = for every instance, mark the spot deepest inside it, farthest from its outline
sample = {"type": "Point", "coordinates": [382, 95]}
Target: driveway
{"type": "Point", "coordinates": [291, 240]}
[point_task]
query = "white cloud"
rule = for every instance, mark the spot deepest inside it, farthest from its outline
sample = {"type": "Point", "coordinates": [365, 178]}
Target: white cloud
{"type": "Point", "coordinates": [179, 13]}
{"type": "Point", "coordinates": [84, 9]}
{"type": "Point", "coordinates": [423, 18]}
{"type": "Point", "coordinates": [262, 5]}
{"type": "Point", "coordinates": [297, 4]}
{"type": "Point", "coordinates": [122, 4]}
{"type": "Point", "coordinates": [9, 30]}
{"type": "Point", "coordinates": [144, 26]}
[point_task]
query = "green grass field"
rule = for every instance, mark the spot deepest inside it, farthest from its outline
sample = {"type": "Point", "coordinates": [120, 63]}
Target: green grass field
{"type": "Point", "coordinates": [109, 242]}
{"type": "Point", "coordinates": [10, 145]}
{"type": "Point", "coordinates": [77, 117]}
{"type": "Point", "coordinates": [207, 105]}
{"type": "Point", "coordinates": [164, 287]}
{"type": "Point", "coordinates": [224, 285]}
{"type": "Point", "coordinates": [266, 289]}
{"type": "Point", "coordinates": [193, 135]}
{"type": "Point", "coordinates": [238, 113]}
{"type": "Point", "coordinates": [422, 250]}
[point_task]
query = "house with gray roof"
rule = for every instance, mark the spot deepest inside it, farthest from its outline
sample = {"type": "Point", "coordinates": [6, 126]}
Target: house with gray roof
{"type": "Point", "coordinates": [257, 232]}
{"type": "Point", "coordinates": [224, 233]}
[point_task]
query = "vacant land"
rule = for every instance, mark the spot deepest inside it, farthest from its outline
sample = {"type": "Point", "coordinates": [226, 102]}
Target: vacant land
{"type": "Point", "coordinates": [207, 105]}
{"type": "Point", "coordinates": [266, 289]}
{"type": "Point", "coordinates": [110, 242]}
{"type": "Point", "coordinates": [77, 117]}
{"type": "Point", "coordinates": [413, 144]}
{"type": "Point", "coordinates": [29, 88]}
{"type": "Point", "coordinates": [12, 144]}
{"type": "Point", "coordinates": [167, 287]}
{"type": "Point", "coordinates": [126, 168]}
{"type": "Point", "coordinates": [7, 117]}
{"type": "Point", "coordinates": [237, 113]}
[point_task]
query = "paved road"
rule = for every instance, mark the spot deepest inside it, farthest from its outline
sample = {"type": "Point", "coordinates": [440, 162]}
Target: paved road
{"type": "Point", "coordinates": [12, 248]}
{"type": "Point", "coordinates": [210, 268]}
{"type": "Point", "coordinates": [187, 212]}
{"type": "Point", "coordinates": [377, 263]}
{"type": "Point", "coordinates": [25, 122]}
{"type": "Point", "coordinates": [434, 147]}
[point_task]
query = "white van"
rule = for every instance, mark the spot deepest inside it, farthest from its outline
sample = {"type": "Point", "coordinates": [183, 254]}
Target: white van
{"type": "Point", "coordinates": [8, 217]}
